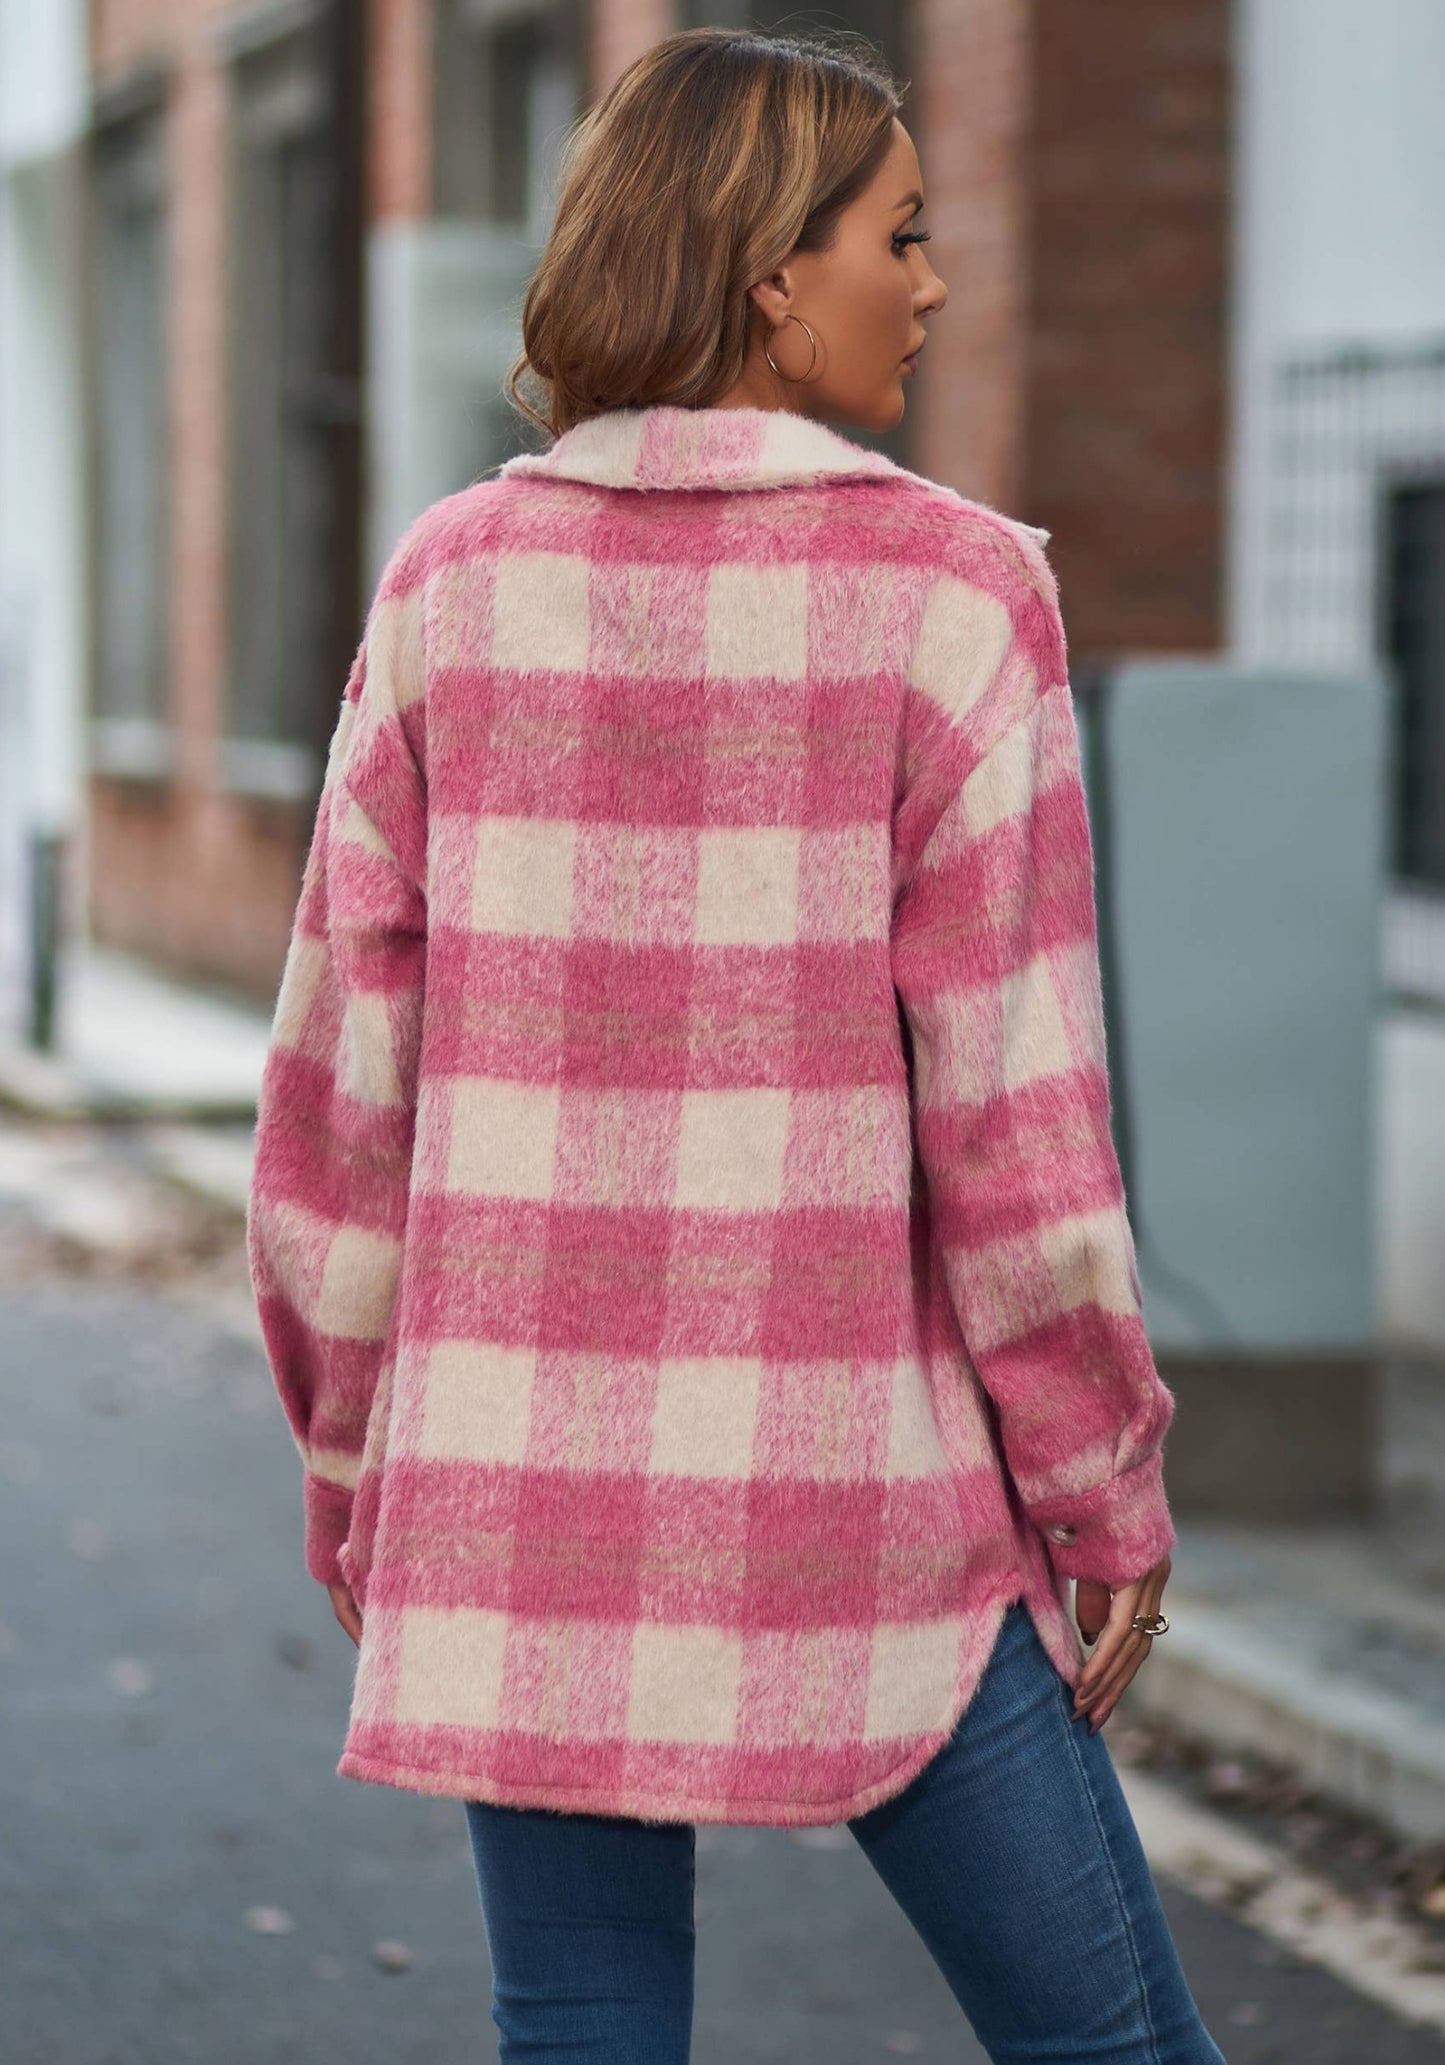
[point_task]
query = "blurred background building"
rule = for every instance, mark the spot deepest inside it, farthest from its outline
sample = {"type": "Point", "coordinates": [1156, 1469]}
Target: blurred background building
{"type": "Point", "coordinates": [1337, 492]}
{"type": "Point", "coordinates": [308, 227]}
{"type": "Point", "coordinates": [261, 270]}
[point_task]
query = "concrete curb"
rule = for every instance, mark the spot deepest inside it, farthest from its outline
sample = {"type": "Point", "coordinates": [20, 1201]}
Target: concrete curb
{"type": "Point", "coordinates": [1217, 1678]}
{"type": "Point", "coordinates": [41, 1087]}
{"type": "Point", "coordinates": [216, 1167]}
{"type": "Point", "coordinates": [134, 1043]}
{"type": "Point", "coordinates": [1384, 1955]}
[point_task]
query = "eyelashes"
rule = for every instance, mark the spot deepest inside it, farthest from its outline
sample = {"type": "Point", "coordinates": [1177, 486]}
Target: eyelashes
{"type": "Point", "coordinates": [911, 236]}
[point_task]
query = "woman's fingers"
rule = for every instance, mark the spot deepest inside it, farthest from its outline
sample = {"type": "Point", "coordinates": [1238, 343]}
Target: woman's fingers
{"type": "Point", "coordinates": [1140, 1597]}
{"type": "Point", "coordinates": [1101, 1702]}
{"type": "Point", "coordinates": [1113, 1638]}
{"type": "Point", "coordinates": [1122, 1647]}
{"type": "Point", "coordinates": [1091, 1607]}
{"type": "Point", "coordinates": [344, 1606]}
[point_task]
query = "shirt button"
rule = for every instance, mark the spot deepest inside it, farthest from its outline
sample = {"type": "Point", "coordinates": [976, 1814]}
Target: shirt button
{"type": "Point", "coordinates": [1063, 1533]}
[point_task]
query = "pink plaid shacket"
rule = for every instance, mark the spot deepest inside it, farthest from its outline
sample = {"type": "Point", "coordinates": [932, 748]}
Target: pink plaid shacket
{"type": "Point", "coordinates": [686, 1226]}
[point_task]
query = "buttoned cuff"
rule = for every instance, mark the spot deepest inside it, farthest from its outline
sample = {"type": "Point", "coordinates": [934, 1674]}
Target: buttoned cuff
{"type": "Point", "coordinates": [1113, 1534]}
{"type": "Point", "coordinates": [328, 1522]}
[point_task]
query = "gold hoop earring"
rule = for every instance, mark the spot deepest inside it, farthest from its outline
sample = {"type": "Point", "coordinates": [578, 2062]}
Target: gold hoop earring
{"type": "Point", "coordinates": [790, 318]}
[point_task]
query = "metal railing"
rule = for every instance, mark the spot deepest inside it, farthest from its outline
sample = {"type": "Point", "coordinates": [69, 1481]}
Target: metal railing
{"type": "Point", "coordinates": [1345, 428]}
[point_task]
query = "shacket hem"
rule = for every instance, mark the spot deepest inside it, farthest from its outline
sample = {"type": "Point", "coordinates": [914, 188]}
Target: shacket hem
{"type": "Point", "coordinates": [446, 1782]}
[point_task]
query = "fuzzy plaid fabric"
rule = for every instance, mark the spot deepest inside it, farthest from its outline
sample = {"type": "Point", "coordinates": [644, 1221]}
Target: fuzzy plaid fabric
{"type": "Point", "coordinates": [686, 1228]}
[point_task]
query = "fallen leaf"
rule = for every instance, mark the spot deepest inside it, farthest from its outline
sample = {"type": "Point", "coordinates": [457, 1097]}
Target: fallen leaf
{"type": "Point", "coordinates": [129, 1675]}
{"type": "Point", "coordinates": [821, 1836]}
{"type": "Point", "coordinates": [269, 1921]}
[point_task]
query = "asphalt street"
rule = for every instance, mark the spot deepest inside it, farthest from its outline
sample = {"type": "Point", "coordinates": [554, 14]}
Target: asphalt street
{"type": "Point", "coordinates": [184, 1877]}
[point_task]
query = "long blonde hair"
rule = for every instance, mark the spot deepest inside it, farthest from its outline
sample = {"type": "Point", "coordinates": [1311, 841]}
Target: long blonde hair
{"type": "Point", "coordinates": [714, 155]}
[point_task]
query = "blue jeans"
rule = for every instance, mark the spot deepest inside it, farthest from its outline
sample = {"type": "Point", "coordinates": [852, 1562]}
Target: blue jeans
{"type": "Point", "coordinates": [1012, 1852]}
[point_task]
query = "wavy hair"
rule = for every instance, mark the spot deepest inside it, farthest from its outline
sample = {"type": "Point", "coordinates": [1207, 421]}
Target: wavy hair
{"type": "Point", "coordinates": [714, 155]}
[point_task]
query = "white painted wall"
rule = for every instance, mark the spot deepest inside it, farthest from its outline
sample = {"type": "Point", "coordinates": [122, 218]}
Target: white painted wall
{"type": "Point", "coordinates": [1340, 238]}
{"type": "Point", "coordinates": [1340, 216]}
{"type": "Point", "coordinates": [42, 592]}
{"type": "Point", "coordinates": [42, 77]}
{"type": "Point", "coordinates": [1344, 155]}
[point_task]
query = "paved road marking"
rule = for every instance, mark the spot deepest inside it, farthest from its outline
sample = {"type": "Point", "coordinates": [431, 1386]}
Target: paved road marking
{"type": "Point", "coordinates": [1379, 1955]}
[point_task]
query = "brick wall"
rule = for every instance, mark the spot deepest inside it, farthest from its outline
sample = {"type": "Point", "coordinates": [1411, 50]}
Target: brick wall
{"type": "Point", "coordinates": [125, 31]}
{"type": "Point", "coordinates": [1077, 161]}
{"type": "Point", "coordinates": [968, 114]}
{"type": "Point", "coordinates": [399, 114]}
{"type": "Point", "coordinates": [182, 872]}
{"type": "Point", "coordinates": [1125, 431]}
{"type": "Point", "coordinates": [619, 31]}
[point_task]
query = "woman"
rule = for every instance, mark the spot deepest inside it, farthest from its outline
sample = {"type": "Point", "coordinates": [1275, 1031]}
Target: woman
{"type": "Point", "coordinates": [686, 1226]}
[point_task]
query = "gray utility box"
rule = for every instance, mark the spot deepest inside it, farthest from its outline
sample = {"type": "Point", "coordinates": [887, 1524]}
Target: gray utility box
{"type": "Point", "coordinates": [1239, 833]}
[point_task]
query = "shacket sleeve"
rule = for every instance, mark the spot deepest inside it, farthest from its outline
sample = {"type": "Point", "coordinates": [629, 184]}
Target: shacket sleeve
{"type": "Point", "coordinates": [995, 961]}
{"type": "Point", "coordinates": [336, 1110]}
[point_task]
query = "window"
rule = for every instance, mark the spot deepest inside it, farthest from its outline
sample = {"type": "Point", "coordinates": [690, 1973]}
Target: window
{"type": "Point", "coordinates": [447, 293]}
{"type": "Point", "coordinates": [1352, 466]}
{"type": "Point", "coordinates": [506, 92]}
{"type": "Point", "coordinates": [292, 393]}
{"type": "Point", "coordinates": [130, 733]}
{"type": "Point", "coordinates": [1415, 633]}
{"type": "Point", "coordinates": [883, 22]}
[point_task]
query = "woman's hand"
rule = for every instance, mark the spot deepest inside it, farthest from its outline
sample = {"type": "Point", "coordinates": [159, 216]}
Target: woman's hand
{"type": "Point", "coordinates": [1105, 1620]}
{"type": "Point", "coordinates": [346, 1609]}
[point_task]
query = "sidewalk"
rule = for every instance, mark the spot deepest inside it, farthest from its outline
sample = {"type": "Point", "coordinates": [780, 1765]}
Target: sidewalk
{"type": "Point", "coordinates": [134, 1044]}
{"type": "Point", "coordinates": [1322, 1650]}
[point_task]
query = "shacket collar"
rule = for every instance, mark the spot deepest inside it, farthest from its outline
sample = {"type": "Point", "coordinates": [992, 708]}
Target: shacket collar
{"type": "Point", "coordinates": [670, 447]}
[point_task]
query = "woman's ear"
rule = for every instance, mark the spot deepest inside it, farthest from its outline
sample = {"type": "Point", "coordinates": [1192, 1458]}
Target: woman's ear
{"type": "Point", "coordinates": [773, 297]}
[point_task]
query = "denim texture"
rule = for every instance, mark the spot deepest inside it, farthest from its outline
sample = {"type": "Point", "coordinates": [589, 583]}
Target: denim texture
{"type": "Point", "coordinates": [1012, 1852]}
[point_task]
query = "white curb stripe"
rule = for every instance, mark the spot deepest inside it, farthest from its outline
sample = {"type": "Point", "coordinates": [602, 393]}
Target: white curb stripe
{"type": "Point", "coordinates": [1377, 1954]}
